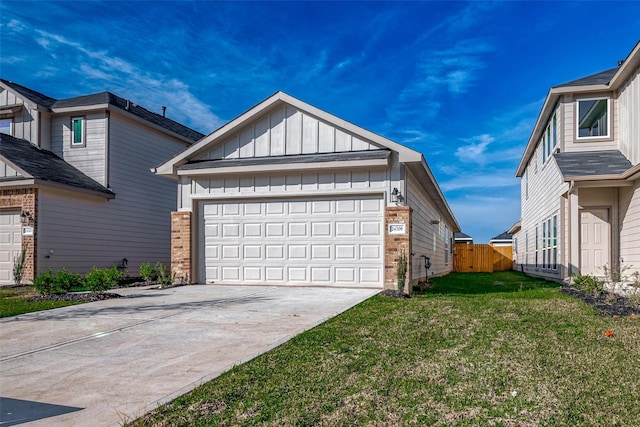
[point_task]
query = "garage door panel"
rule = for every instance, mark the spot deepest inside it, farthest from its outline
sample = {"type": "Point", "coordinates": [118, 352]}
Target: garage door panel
{"type": "Point", "coordinates": [324, 241]}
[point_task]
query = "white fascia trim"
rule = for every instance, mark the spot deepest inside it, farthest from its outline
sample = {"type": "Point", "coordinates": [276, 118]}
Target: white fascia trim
{"type": "Point", "coordinates": [80, 108]}
{"type": "Point", "coordinates": [354, 164]}
{"type": "Point", "coordinates": [18, 183]}
{"type": "Point", "coordinates": [22, 172]}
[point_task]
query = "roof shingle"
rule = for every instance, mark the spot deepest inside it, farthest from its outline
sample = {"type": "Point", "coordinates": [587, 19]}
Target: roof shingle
{"type": "Point", "coordinates": [46, 166]}
{"type": "Point", "coordinates": [592, 163]}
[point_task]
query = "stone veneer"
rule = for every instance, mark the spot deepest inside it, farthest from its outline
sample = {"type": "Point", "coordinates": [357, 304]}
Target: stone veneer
{"type": "Point", "coordinates": [181, 246]}
{"type": "Point", "coordinates": [24, 199]}
{"type": "Point", "coordinates": [394, 244]}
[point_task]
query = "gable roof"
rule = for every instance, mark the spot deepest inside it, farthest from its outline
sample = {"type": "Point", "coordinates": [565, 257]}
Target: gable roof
{"type": "Point", "coordinates": [461, 236]}
{"type": "Point", "coordinates": [414, 160]}
{"type": "Point", "coordinates": [43, 165]}
{"type": "Point", "coordinates": [502, 236]}
{"type": "Point", "coordinates": [107, 98]}
{"type": "Point", "coordinates": [592, 163]}
{"type": "Point", "coordinates": [604, 81]}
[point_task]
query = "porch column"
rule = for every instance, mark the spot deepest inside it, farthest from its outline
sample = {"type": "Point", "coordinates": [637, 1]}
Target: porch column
{"type": "Point", "coordinates": [397, 239]}
{"type": "Point", "coordinates": [181, 246]}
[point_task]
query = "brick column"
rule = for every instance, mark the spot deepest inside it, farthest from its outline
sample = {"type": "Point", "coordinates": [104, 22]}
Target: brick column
{"type": "Point", "coordinates": [395, 244]}
{"type": "Point", "coordinates": [25, 200]}
{"type": "Point", "coordinates": [181, 246]}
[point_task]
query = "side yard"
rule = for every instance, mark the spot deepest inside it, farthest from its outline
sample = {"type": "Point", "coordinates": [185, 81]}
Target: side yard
{"type": "Point", "coordinates": [473, 349]}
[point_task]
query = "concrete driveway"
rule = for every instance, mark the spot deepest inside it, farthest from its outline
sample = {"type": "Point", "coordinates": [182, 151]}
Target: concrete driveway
{"type": "Point", "coordinates": [106, 362]}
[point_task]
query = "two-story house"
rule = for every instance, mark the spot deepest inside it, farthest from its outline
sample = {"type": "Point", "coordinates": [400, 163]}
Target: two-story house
{"type": "Point", "coordinates": [76, 189]}
{"type": "Point", "coordinates": [580, 177]}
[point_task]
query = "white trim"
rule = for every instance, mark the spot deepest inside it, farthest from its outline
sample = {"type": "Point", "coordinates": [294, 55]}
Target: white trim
{"type": "Point", "coordinates": [287, 194]}
{"type": "Point", "coordinates": [352, 164]}
{"type": "Point", "coordinates": [609, 134]}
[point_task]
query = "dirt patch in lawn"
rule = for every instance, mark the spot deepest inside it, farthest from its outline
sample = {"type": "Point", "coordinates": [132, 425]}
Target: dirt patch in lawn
{"type": "Point", "coordinates": [607, 304]}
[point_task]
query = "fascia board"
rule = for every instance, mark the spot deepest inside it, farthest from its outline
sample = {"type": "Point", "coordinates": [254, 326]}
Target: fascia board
{"type": "Point", "coordinates": [18, 169]}
{"type": "Point", "coordinates": [631, 62]}
{"type": "Point", "coordinates": [169, 168]}
{"type": "Point", "coordinates": [79, 108]}
{"type": "Point", "coordinates": [18, 183]}
{"type": "Point", "coordinates": [237, 170]}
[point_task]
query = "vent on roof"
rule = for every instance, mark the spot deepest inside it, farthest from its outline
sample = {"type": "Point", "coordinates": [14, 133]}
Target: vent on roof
{"type": "Point", "coordinates": [620, 63]}
{"type": "Point", "coordinates": [164, 110]}
{"type": "Point", "coordinates": [128, 106]}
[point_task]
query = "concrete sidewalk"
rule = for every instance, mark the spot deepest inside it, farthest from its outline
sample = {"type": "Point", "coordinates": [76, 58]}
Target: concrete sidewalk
{"type": "Point", "coordinates": [110, 361]}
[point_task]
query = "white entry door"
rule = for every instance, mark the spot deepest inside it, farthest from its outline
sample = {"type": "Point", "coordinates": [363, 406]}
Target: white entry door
{"type": "Point", "coordinates": [595, 238]}
{"type": "Point", "coordinates": [320, 241]}
{"type": "Point", "coordinates": [10, 243]}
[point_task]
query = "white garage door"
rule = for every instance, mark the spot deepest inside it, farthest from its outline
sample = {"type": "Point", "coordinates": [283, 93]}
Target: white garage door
{"type": "Point", "coordinates": [10, 241]}
{"type": "Point", "coordinates": [322, 241]}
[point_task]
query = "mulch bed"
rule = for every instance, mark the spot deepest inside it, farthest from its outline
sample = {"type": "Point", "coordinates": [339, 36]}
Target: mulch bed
{"type": "Point", "coordinates": [606, 305]}
{"type": "Point", "coordinates": [95, 296]}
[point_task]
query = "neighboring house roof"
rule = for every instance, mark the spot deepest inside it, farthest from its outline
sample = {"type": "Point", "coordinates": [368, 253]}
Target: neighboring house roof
{"type": "Point", "coordinates": [461, 236]}
{"type": "Point", "coordinates": [605, 81]}
{"type": "Point", "coordinates": [110, 99]}
{"type": "Point", "coordinates": [601, 78]}
{"type": "Point", "coordinates": [43, 165]}
{"type": "Point", "coordinates": [503, 236]}
{"type": "Point", "coordinates": [30, 94]}
{"type": "Point", "coordinates": [592, 163]}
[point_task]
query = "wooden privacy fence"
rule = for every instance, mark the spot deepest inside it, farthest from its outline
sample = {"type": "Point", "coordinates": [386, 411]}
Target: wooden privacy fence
{"type": "Point", "coordinates": [482, 258]}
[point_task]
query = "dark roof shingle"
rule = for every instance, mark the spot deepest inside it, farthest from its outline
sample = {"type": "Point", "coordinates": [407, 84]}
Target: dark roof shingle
{"type": "Point", "coordinates": [592, 163]}
{"type": "Point", "coordinates": [46, 166]}
{"type": "Point", "coordinates": [603, 77]}
{"type": "Point", "coordinates": [107, 98]}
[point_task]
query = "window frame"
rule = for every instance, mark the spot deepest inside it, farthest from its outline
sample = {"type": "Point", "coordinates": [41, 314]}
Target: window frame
{"type": "Point", "coordinates": [10, 120]}
{"type": "Point", "coordinates": [609, 134]}
{"type": "Point", "coordinates": [83, 136]}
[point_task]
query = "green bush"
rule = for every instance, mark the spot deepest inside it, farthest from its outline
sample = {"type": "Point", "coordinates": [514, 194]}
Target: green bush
{"type": "Point", "coordinates": [164, 276]}
{"type": "Point", "coordinates": [64, 280]}
{"type": "Point", "coordinates": [590, 284]}
{"type": "Point", "coordinates": [100, 280]}
{"type": "Point", "coordinates": [148, 272]}
{"type": "Point", "coordinates": [45, 283]}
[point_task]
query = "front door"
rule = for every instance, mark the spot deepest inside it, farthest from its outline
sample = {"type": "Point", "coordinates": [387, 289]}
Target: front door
{"type": "Point", "coordinates": [595, 241]}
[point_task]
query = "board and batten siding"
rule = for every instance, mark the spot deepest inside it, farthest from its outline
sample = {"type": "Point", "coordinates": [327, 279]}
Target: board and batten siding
{"type": "Point", "coordinates": [286, 131]}
{"type": "Point", "coordinates": [90, 158]}
{"type": "Point", "coordinates": [136, 225]}
{"type": "Point", "coordinates": [25, 124]}
{"type": "Point", "coordinates": [629, 118]}
{"type": "Point", "coordinates": [427, 239]}
{"type": "Point", "coordinates": [570, 142]}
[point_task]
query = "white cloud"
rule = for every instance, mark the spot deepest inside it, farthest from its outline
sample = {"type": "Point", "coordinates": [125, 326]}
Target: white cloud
{"type": "Point", "coordinates": [485, 179]}
{"type": "Point", "coordinates": [475, 150]}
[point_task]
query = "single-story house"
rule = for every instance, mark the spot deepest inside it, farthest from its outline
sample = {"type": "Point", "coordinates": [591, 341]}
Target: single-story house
{"type": "Point", "coordinates": [463, 238]}
{"type": "Point", "coordinates": [289, 194]}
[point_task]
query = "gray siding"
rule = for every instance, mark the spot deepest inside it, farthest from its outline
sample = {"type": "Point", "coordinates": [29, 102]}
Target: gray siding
{"type": "Point", "coordinates": [89, 159]}
{"type": "Point", "coordinates": [87, 231]}
{"type": "Point", "coordinates": [629, 118]}
{"type": "Point", "coordinates": [25, 122]}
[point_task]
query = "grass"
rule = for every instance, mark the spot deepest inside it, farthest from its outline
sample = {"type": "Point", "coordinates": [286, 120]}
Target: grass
{"type": "Point", "coordinates": [476, 349]}
{"type": "Point", "coordinates": [13, 301]}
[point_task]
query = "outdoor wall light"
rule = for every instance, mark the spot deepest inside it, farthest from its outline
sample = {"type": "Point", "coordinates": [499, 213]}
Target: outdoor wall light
{"type": "Point", "coordinates": [394, 195]}
{"type": "Point", "coordinates": [25, 216]}
{"type": "Point", "coordinates": [435, 221]}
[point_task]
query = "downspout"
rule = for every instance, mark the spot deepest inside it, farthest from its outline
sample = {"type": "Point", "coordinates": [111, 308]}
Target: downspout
{"type": "Point", "coordinates": [568, 232]}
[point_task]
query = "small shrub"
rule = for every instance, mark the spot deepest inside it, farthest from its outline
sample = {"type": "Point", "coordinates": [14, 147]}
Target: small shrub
{"type": "Point", "coordinates": [148, 272]}
{"type": "Point", "coordinates": [402, 270]}
{"type": "Point", "coordinates": [65, 280]}
{"type": "Point", "coordinates": [100, 280]}
{"type": "Point", "coordinates": [589, 284]}
{"type": "Point", "coordinates": [44, 283]}
{"type": "Point", "coordinates": [18, 266]}
{"type": "Point", "coordinates": [164, 276]}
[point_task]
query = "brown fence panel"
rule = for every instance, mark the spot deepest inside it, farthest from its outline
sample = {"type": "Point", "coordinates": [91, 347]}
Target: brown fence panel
{"type": "Point", "coordinates": [481, 258]}
{"type": "Point", "coordinates": [502, 258]}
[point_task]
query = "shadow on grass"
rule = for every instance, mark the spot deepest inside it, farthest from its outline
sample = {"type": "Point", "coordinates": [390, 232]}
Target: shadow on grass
{"type": "Point", "coordinates": [485, 283]}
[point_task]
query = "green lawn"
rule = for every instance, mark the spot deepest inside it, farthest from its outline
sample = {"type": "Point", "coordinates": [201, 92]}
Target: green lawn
{"type": "Point", "coordinates": [12, 301]}
{"type": "Point", "coordinates": [475, 349]}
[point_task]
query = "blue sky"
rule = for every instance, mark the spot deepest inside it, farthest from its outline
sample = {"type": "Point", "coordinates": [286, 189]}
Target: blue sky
{"type": "Point", "coordinates": [462, 82]}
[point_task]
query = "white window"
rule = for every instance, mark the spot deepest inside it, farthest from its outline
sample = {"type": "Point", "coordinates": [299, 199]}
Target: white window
{"type": "Point", "coordinates": [6, 126]}
{"type": "Point", "coordinates": [78, 131]}
{"type": "Point", "coordinates": [446, 245]}
{"type": "Point", "coordinates": [593, 118]}
{"type": "Point", "coordinates": [537, 246]}
{"type": "Point", "coordinates": [550, 243]}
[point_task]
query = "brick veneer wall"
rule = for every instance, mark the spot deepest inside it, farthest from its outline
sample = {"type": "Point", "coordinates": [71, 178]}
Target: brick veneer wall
{"type": "Point", "coordinates": [24, 199]}
{"type": "Point", "coordinates": [394, 244]}
{"type": "Point", "coordinates": [181, 246]}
